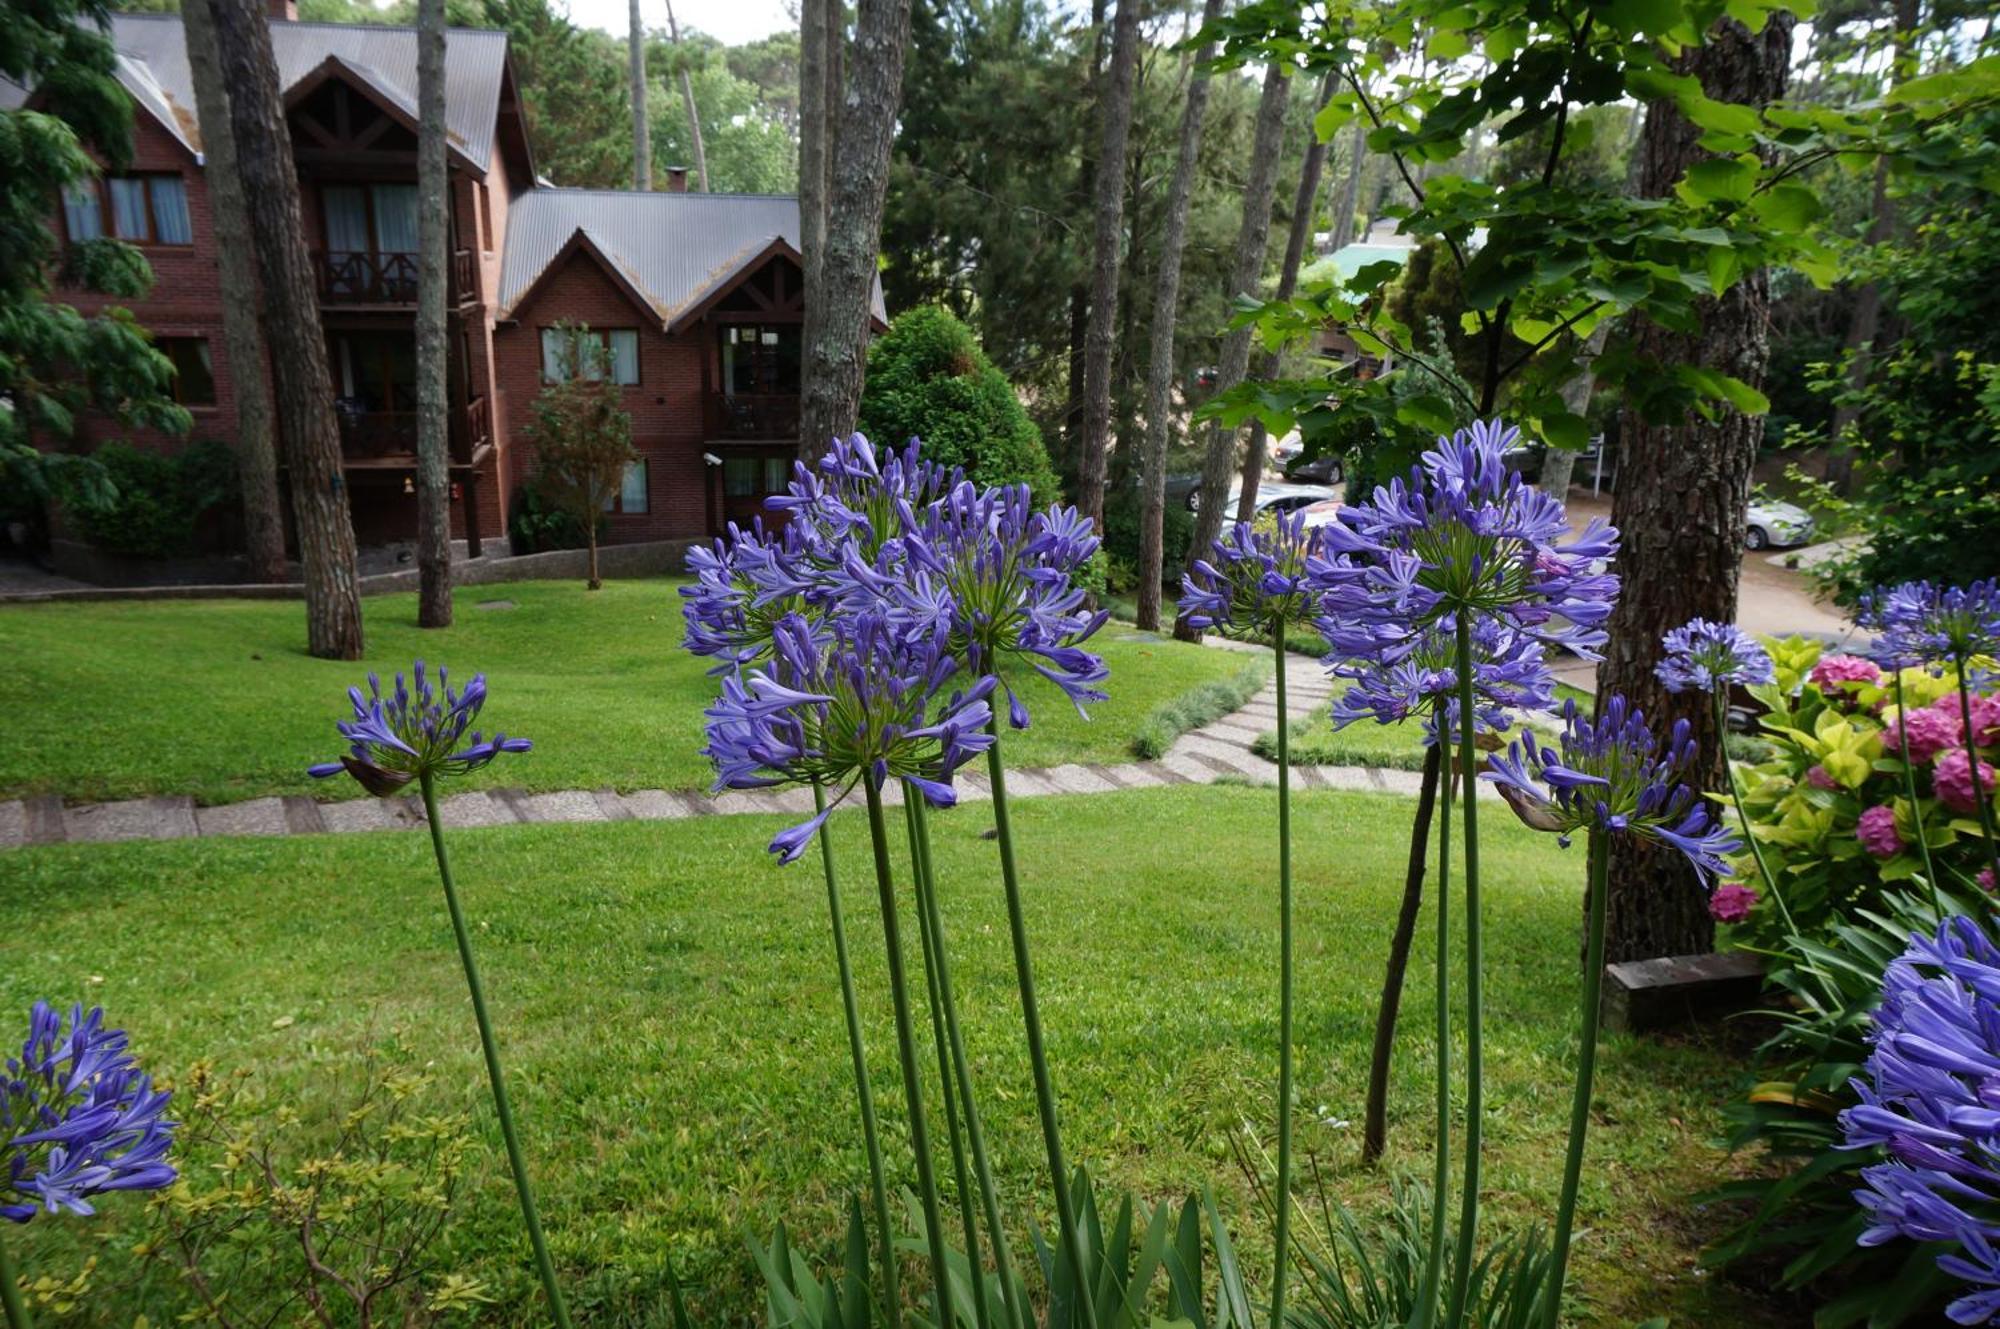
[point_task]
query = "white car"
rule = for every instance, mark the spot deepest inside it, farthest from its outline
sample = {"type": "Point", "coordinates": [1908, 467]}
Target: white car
{"type": "Point", "coordinates": [1271, 497]}
{"type": "Point", "coordinates": [1775, 525]}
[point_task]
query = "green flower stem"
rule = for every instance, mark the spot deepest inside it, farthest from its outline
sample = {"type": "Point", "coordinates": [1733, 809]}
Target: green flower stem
{"type": "Point", "coordinates": [1468, 1213]}
{"type": "Point", "coordinates": [1910, 789]}
{"type": "Point", "coordinates": [906, 1047]}
{"type": "Point", "coordinates": [10, 1293]}
{"type": "Point", "coordinates": [1024, 973]}
{"type": "Point", "coordinates": [1285, 984]}
{"type": "Point", "coordinates": [968, 1215]}
{"type": "Point", "coordinates": [1979, 790]}
{"type": "Point", "coordinates": [1749, 833]}
{"type": "Point", "coordinates": [1427, 1296]}
{"type": "Point", "coordinates": [863, 1091]}
{"type": "Point", "coordinates": [975, 1131]}
{"type": "Point", "coordinates": [501, 1107]}
{"type": "Point", "coordinates": [1586, 1071]}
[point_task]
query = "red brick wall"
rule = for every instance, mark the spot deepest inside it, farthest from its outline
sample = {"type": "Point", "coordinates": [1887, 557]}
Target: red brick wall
{"type": "Point", "coordinates": [665, 405]}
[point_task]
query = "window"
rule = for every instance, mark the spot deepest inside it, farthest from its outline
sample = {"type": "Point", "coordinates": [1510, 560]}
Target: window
{"type": "Point", "coordinates": [194, 369]}
{"type": "Point", "coordinates": [752, 477]}
{"type": "Point", "coordinates": [145, 209]}
{"type": "Point", "coordinates": [594, 349]}
{"type": "Point", "coordinates": [761, 359]}
{"type": "Point", "coordinates": [370, 219]}
{"type": "Point", "coordinates": [631, 497]}
{"type": "Point", "coordinates": [83, 214]}
{"type": "Point", "coordinates": [485, 218]}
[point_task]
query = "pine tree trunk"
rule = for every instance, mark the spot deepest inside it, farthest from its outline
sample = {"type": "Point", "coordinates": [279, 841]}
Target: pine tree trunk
{"type": "Point", "coordinates": [592, 582]}
{"type": "Point", "coordinates": [433, 238]}
{"type": "Point", "coordinates": [1304, 206]}
{"type": "Point", "coordinates": [1115, 118]}
{"type": "Point", "coordinates": [1350, 192]}
{"type": "Point", "coordinates": [642, 145]}
{"type": "Point", "coordinates": [1266, 147]}
{"type": "Point", "coordinates": [687, 98]}
{"type": "Point", "coordinates": [301, 385]}
{"type": "Point", "coordinates": [1166, 312]}
{"type": "Point", "coordinates": [836, 332]}
{"type": "Point", "coordinates": [815, 143]}
{"type": "Point", "coordinates": [243, 338]}
{"type": "Point", "coordinates": [1680, 502]}
{"type": "Point", "coordinates": [1558, 464]}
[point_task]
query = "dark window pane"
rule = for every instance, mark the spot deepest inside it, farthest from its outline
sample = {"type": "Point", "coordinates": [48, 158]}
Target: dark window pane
{"type": "Point", "coordinates": [194, 369]}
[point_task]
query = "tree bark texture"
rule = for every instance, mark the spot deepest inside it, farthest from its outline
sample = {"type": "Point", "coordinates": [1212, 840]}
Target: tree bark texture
{"type": "Point", "coordinates": [302, 387]}
{"type": "Point", "coordinates": [642, 145]}
{"type": "Point", "coordinates": [243, 337]}
{"type": "Point", "coordinates": [1681, 496]}
{"type": "Point", "coordinates": [433, 371]}
{"type": "Point", "coordinates": [1350, 189]}
{"type": "Point", "coordinates": [1375, 1117]}
{"type": "Point", "coordinates": [1115, 121]}
{"type": "Point", "coordinates": [815, 138]}
{"type": "Point", "coordinates": [1217, 463]}
{"type": "Point", "coordinates": [1559, 464]}
{"type": "Point", "coordinates": [836, 330]}
{"type": "Point", "coordinates": [687, 99]}
{"type": "Point", "coordinates": [1304, 206]}
{"type": "Point", "coordinates": [1160, 361]}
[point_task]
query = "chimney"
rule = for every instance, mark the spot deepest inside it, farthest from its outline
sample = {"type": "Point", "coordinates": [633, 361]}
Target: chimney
{"type": "Point", "coordinates": [677, 179]}
{"type": "Point", "coordinates": [282, 11]}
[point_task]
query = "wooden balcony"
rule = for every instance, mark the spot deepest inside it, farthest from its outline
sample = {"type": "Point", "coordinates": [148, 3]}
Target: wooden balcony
{"type": "Point", "coordinates": [754, 415]}
{"type": "Point", "coordinates": [388, 439]}
{"type": "Point", "coordinates": [355, 277]}
{"type": "Point", "coordinates": [464, 277]}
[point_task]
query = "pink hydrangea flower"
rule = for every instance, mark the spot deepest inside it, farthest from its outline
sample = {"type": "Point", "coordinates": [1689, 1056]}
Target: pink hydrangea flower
{"type": "Point", "coordinates": [1731, 902]}
{"type": "Point", "coordinates": [1834, 671]}
{"type": "Point", "coordinates": [1985, 880]}
{"type": "Point", "coordinates": [1932, 730]}
{"type": "Point", "coordinates": [1818, 778]}
{"type": "Point", "coordinates": [1985, 721]}
{"type": "Point", "coordinates": [1877, 832]}
{"type": "Point", "coordinates": [1952, 779]}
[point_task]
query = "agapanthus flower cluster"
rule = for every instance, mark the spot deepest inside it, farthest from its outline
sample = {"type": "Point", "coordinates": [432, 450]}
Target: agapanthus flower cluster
{"type": "Point", "coordinates": [1254, 578]}
{"type": "Point", "coordinates": [864, 642]}
{"type": "Point", "coordinates": [1705, 657]}
{"type": "Point", "coordinates": [78, 1118]}
{"type": "Point", "coordinates": [420, 728]}
{"type": "Point", "coordinates": [1731, 902]}
{"type": "Point", "coordinates": [1508, 675]}
{"type": "Point", "coordinates": [1920, 622]}
{"type": "Point", "coordinates": [1464, 535]}
{"type": "Point", "coordinates": [1930, 1097]}
{"type": "Point", "coordinates": [1613, 775]}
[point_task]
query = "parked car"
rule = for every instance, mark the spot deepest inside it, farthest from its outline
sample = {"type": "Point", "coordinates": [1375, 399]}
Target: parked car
{"type": "Point", "coordinates": [1328, 468]}
{"type": "Point", "coordinates": [1776, 525]}
{"type": "Point", "coordinates": [1270, 497]}
{"type": "Point", "coordinates": [1287, 449]}
{"type": "Point", "coordinates": [1323, 513]}
{"type": "Point", "coordinates": [1525, 456]}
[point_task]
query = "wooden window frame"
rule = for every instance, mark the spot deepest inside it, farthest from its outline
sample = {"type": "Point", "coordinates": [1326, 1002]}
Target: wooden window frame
{"type": "Point", "coordinates": [161, 342]}
{"type": "Point", "coordinates": [603, 336]}
{"type": "Point", "coordinates": [107, 213]}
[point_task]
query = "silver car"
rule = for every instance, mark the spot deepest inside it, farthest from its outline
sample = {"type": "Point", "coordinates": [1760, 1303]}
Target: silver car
{"type": "Point", "coordinates": [1775, 525]}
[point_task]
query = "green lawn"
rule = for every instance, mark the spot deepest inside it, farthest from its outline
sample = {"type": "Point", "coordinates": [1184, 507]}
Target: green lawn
{"type": "Point", "coordinates": [217, 698]}
{"type": "Point", "coordinates": [666, 999]}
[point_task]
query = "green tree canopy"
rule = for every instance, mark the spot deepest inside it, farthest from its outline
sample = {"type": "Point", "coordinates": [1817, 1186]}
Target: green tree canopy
{"type": "Point", "coordinates": [929, 379]}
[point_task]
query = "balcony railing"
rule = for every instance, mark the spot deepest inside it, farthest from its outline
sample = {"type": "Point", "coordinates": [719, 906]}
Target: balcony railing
{"type": "Point", "coordinates": [391, 436]}
{"type": "Point", "coordinates": [754, 415]}
{"type": "Point", "coordinates": [359, 277]}
{"type": "Point", "coordinates": [477, 431]}
{"type": "Point", "coordinates": [464, 285]}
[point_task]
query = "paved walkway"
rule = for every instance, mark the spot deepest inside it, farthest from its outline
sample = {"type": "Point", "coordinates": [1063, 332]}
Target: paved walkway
{"type": "Point", "coordinates": [1214, 752]}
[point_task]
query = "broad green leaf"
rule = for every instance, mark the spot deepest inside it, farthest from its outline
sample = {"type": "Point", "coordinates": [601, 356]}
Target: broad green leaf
{"type": "Point", "coordinates": [1566, 431]}
{"type": "Point", "coordinates": [1427, 411]}
{"type": "Point", "coordinates": [1787, 208]}
{"type": "Point", "coordinates": [1722, 179]}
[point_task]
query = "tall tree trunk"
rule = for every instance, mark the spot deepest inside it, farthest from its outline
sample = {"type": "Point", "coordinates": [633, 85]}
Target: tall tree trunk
{"type": "Point", "coordinates": [1680, 501]}
{"type": "Point", "coordinates": [1115, 118]}
{"type": "Point", "coordinates": [642, 145]}
{"type": "Point", "coordinates": [243, 338]}
{"type": "Point", "coordinates": [836, 330]}
{"type": "Point", "coordinates": [1166, 318]}
{"type": "Point", "coordinates": [1350, 191]}
{"type": "Point", "coordinates": [1375, 1112]}
{"type": "Point", "coordinates": [303, 388]}
{"type": "Point", "coordinates": [687, 99]}
{"type": "Point", "coordinates": [1266, 148]}
{"type": "Point", "coordinates": [1304, 207]}
{"type": "Point", "coordinates": [1071, 456]}
{"type": "Point", "coordinates": [816, 133]}
{"type": "Point", "coordinates": [1558, 464]}
{"type": "Point", "coordinates": [433, 372]}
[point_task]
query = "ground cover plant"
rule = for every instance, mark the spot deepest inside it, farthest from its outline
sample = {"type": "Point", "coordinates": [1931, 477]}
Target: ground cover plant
{"type": "Point", "coordinates": [596, 678]}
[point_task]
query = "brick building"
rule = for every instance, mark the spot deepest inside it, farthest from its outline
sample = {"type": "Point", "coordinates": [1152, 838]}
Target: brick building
{"type": "Point", "coordinates": [696, 297]}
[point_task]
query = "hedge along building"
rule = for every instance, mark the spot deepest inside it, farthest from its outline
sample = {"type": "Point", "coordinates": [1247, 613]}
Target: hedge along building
{"type": "Point", "coordinates": [698, 298]}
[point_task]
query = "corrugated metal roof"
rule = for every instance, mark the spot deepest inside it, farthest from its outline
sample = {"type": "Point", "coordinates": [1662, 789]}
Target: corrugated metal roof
{"type": "Point", "coordinates": [673, 248]}
{"type": "Point", "coordinates": [475, 60]}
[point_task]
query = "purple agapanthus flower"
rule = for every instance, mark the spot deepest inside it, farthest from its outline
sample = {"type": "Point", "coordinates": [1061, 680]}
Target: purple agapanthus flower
{"type": "Point", "coordinates": [1255, 578]}
{"type": "Point", "coordinates": [1612, 775]}
{"type": "Point", "coordinates": [855, 497]}
{"type": "Point", "coordinates": [1004, 576]}
{"type": "Point", "coordinates": [743, 584]}
{"type": "Point", "coordinates": [1920, 622]}
{"type": "Point", "coordinates": [1464, 535]}
{"type": "Point", "coordinates": [1930, 1098]}
{"type": "Point", "coordinates": [420, 728]}
{"type": "Point", "coordinates": [1703, 657]}
{"type": "Point", "coordinates": [860, 697]}
{"type": "Point", "coordinates": [77, 1118]}
{"type": "Point", "coordinates": [1508, 675]}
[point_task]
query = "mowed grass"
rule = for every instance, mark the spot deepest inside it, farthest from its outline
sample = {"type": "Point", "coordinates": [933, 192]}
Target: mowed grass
{"type": "Point", "coordinates": [218, 699]}
{"type": "Point", "coordinates": [669, 1011]}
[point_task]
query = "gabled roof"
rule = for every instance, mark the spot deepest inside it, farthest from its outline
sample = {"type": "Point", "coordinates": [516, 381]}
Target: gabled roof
{"type": "Point", "coordinates": [674, 252]}
{"type": "Point", "coordinates": [371, 83]}
{"type": "Point", "coordinates": [153, 67]}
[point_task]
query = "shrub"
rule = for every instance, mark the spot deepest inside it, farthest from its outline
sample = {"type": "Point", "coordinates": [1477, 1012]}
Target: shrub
{"type": "Point", "coordinates": [928, 378]}
{"type": "Point", "coordinates": [1121, 534]}
{"type": "Point", "coordinates": [536, 524]}
{"type": "Point", "coordinates": [1193, 709]}
{"type": "Point", "coordinates": [156, 504]}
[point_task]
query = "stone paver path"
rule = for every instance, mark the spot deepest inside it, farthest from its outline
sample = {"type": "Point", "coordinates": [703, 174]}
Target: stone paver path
{"type": "Point", "coordinates": [1216, 751]}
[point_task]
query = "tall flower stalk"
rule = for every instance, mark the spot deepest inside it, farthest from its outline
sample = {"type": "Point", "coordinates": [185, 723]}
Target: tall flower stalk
{"type": "Point", "coordinates": [1255, 581]}
{"type": "Point", "coordinates": [419, 732]}
{"type": "Point", "coordinates": [1611, 778]}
